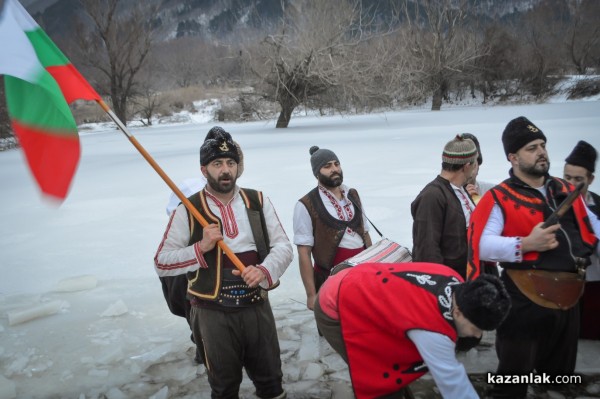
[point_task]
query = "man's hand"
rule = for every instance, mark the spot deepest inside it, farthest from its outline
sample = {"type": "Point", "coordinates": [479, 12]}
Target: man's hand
{"type": "Point", "coordinates": [541, 239]}
{"type": "Point", "coordinates": [252, 275]}
{"type": "Point", "coordinates": [211, 234]}
{"type": "Point", "coordinates": [471, 189]}
{"type": "Point", "coordinates": [310, 301]}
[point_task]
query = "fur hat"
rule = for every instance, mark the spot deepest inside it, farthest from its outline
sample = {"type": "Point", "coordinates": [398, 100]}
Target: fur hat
{"type": "Point", "coordinates": [518, 133]}
{"type": "Point", "coordinates": [319, 157]}
{"type": "Point", "coordinates": [483, 301]}
{"type": "Point", "coordinates": [459, 151]}
{"type": "Point", "coordinates": [583, 155]}
{"type": "Point", "coordinates": [474, 140]}
{"type": "Point", "coordinates": [218, 144]}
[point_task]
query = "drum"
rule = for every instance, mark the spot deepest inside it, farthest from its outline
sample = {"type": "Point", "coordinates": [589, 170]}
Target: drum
{"type": "Point", "coordinates": [383, 251]}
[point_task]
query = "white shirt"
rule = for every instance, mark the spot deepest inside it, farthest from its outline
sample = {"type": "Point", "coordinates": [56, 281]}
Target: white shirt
{"type": "Point", "coordinates": [175, 257]}
{"type": "Point", "coordinates": [303, 229]}
{"type": "Point", "coordinates": [439, 353]}
{"type": "Point", "coordinates": [187, 187]}
{"type": "Point", "coordinates": [592, 272]}
{"type": "Point", "coordinates": [465, 202]}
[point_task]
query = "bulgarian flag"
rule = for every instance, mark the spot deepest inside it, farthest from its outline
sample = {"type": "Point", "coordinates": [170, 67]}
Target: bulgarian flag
{"type": "Point", "coordinates": [40, 82]}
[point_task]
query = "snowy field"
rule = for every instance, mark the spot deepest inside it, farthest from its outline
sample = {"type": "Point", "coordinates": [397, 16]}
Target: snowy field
{"type": "Point", "coordinates": [115, 338]}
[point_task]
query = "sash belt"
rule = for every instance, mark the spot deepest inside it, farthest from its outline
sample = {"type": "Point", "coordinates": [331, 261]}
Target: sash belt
{"type": "Point", "coordinates": [553, 290]}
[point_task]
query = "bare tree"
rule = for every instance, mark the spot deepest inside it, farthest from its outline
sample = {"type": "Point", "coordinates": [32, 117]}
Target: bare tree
{"type": "Point", "coordinates": [544, 53]}
{"type": "Point", "coordinates": [441, 44]}
{"type": "Point", "coordinates": [583, 35]}
{"type": "Point", "coordinates": [116, 44]}
{"type": "Point", "coordinates": [316, 52]}
{"type": "Point", "coordinates": [5, 129]}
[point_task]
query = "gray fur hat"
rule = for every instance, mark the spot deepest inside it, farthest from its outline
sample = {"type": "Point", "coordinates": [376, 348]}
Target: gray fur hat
{"type": "Point", "coordinates": [319, 157]}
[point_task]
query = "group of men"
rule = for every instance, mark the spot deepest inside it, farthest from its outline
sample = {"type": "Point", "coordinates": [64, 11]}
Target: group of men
{"type": "Point", "coordinates": [390, 322]}
{"type": "Point", "coordinates": [543, 267]}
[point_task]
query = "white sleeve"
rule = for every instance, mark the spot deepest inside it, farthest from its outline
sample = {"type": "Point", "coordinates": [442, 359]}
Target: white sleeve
{"type": "Point", "coordinates": [281, 253]}
{"type": "Point", "coordinates": [595, 222]}
{"type": "Point", "coordinates": [438, 352]}
{"type": "Point", "coordinates": [174, 256]}
{"type": "Point", "coordinates": [303, 230]}
{"type": "Point", "coordinates": [493, 246]}
{"type": "Point", "coordinates": [187, 187]}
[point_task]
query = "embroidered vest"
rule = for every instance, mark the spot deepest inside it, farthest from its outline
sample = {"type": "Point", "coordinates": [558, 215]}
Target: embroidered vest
{"type": "Point", "coordinates": [328, 230]}
{"type": "Point", "coordinates": [205, 283]}
{"type": "Point", "coordinates": [378, 303]}
{"type": "Point", "coordinates": [524, 207]}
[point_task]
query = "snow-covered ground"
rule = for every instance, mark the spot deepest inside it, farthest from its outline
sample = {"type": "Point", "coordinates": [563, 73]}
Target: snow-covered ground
{"type": "Point", "coordinates": [115, 338]}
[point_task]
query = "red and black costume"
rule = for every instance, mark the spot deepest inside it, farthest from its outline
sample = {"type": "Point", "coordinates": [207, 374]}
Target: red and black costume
{"type": "Point", "coordinates": [374, 321]}
{"type": "Point", "coordinates": [534, 337]}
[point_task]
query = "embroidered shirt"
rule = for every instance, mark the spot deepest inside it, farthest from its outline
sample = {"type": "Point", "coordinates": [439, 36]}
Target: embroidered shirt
{"type": "Point", "coordinates": [175, 257]}
{"type": "Point", "coordinates": [303, 230]}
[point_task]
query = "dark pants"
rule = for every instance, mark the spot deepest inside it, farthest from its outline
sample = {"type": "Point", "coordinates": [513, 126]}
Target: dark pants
{"type": "Point", "coordinates": [233, 340]}
{"type": "Point", "coordinates": [175, 292]}
{"type": "Point", "coordinates": [331, 330]}
{"type": "Point", "coordinates": [590, 311]}
{"type": "Point", "coordinates": [534, 338]}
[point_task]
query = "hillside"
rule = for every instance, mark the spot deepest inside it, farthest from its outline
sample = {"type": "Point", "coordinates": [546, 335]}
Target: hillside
{"type": "Point", "coordinates": [209, 18]}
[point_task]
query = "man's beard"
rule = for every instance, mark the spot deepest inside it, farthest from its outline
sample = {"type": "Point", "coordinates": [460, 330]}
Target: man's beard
{"type": "Point", "coordinates": [220, 186]}
{"type": "Point", "coordinates": [536, 170]}
{"type": "Point", "coordinates": [334, 180]}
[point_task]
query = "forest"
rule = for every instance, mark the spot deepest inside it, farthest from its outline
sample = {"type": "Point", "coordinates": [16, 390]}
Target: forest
{"type": "Point", "coordinates": [343, 56]}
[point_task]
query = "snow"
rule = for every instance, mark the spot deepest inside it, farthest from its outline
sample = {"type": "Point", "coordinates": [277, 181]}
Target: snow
{"type": "Point", "coordinates": [102, 328]}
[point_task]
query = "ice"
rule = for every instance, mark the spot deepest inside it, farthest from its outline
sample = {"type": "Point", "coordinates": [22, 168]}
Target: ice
{"type": "Point", "coordinates": [593, 389]}
{"type": "Point", "coordinates": [115, 393]}
{"type": "Point", "coordinates": [78, 283]}
{"type": "Point", "coordinates": [97, 373]}
{"type": "Point", "coordinates": [34, 312]}
{"type": "Point", "coordinates": [163, 393]}
{"type": "Point", "coordinates": [116, 309]}
{"type": "Point", "coordinates": [554, 395]}
{"type": "Point", "coordinates": [313, 371]}
{"type": "Point", "coordinates": [309, 348]}
{"type": "Point", "coordinates": [145, 349]}
{"type": "Point", "coordinates": [8, 389]}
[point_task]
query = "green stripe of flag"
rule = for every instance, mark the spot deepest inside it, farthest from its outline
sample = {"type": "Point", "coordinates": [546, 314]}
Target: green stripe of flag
{"type": "Point", "coordinates": [46, 50]}
{"type": "Point", "coordinates": [40, 104]}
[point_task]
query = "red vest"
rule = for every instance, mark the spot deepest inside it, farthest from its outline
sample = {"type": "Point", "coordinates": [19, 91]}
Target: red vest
{"type": "Point", "coordinates": [523, 208]}
{"type": "Point", "coordinates": [378, 303]}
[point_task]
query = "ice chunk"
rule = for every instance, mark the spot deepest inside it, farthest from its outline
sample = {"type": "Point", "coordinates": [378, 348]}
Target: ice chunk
{"type": "Point", "coordinates": [313, 371]}
{"type": "Point", "coordinates": [34, 312]}
{"type": "Point", "coordinates": [115, 393]}
{"type": "Point", "coordinates": [8, 389]}
{"type": "Point", "coordinates": [78, 283]}
{"type": "Point", "coordinates": [162, 394]}
{"type": "Point", "coordinates": [98, 373]}
{"type": "Point", "coordinates": [309, 348]}
{"type": "Point", "coordinates": [116, 309]}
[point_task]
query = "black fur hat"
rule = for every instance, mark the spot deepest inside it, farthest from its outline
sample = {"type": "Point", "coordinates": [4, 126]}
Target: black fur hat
{"type": "Point", "coordinates": [483, 301]}
{"type": "Point", "coordinates": [519, 132]}
{"type": "Point", "coordinates": [218, 144]}
{"type": "Point", "coordinates": [583, 155]}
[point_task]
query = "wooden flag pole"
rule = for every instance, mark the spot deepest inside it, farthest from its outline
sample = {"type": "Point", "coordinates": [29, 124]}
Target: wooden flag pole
{"type": "Point", "coordinates": [236, 261]}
